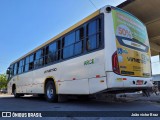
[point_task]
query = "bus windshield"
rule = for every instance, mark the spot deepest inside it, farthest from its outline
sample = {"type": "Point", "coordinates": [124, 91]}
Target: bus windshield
{"type": "Point", "coordinates": [132, 44]}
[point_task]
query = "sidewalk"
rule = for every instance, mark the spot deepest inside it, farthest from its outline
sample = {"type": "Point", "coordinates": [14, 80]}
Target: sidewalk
{"type": "Point", "coordinates": [152, 98]}
{"type": "Point", "coordinates": [139, 97]}
{"type": "Point", "coordinates": [5, 95]}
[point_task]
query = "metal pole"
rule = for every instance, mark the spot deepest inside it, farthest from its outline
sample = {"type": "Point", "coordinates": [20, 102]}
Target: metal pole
{"type": "Point", "coordinates": [159, 56]}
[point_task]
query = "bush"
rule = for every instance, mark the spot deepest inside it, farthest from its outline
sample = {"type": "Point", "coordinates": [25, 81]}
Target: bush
{"type": "Point", "coordinates": [3, 81]}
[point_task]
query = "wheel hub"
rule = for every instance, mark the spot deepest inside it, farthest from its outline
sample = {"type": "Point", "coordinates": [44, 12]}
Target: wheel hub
{"type": "Point", "coordinates": [50, 91]}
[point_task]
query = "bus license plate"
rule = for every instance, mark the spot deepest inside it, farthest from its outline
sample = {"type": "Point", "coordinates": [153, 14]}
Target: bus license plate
{"type": "Point", "coordinates": [139, 82]}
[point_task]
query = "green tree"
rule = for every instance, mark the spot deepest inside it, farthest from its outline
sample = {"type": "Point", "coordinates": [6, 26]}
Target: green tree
{"type": "Point", "coordinates": [3, 81]}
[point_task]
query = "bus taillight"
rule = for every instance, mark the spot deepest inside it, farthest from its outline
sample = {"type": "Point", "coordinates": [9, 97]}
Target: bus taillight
{"type": "Point", "coordinates": [115, 65]}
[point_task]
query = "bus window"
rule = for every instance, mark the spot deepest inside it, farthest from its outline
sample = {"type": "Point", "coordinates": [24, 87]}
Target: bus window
{"type": "Point", "coordinates": [91, 28]}
{"type": "Point", "coordinates": [51, 53]}
{"type": "Point", "coordinates": [79, 34]}
{"type": "Point", "coordinates": [26, 64]}
{"type": "Point", "coordinates": [15, 68]}
{"type": "Point", "coordinates": [59, 50]}
{"type": "Point", "coordinates": [99, 30]}
{"type": "Point", "coordinates": [11, 71]}
{"type": "Point", "coordinates": [68, 45]}
{"type": "Point", "coordinates": [21, 66]}
{"type": "Point", "coordinates": [31, 62]}
{"type": "Point", "coordinates": [39, 60]}
{"type": "Point", "coordinates": [91, 43]}
{"type": "Point", "coordinates": [78, 48]}
{"type": "Point", "coordinates": [19, 69]}
{"type": "Point", "coordinates": [93, 35]}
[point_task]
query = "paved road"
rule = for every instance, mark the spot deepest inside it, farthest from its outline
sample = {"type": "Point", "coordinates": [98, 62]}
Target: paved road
{"type": "Point", "coordinates": [30, 103]}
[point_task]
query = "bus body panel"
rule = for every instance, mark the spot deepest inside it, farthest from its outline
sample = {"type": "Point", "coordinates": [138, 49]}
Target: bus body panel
{"type": "Point", "coordinates": [66, 76]}
{"type": "Point", "coordinates": [73, 87]}
{"type": "Point", "coordinates": [97, 85]}
{"type": "Point", "coordinates": [81, 70]}
{"type": "Point", "coordinates": [110, 48]}
{"type": "Point", "coordinates": [109, 37]}
{"type": "Point", "coordinates": [33, 81]}
{"type": "Point", "coordinates": [84, 66]}
{"type": "Point", "coordinates": [128, 82]}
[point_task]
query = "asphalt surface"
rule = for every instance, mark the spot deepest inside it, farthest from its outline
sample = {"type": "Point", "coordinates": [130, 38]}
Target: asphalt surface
{"type": "Point", "coordinates": [30, 103]}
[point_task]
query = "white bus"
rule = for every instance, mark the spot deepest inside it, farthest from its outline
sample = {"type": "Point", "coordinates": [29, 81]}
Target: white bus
{"type": "Point", "coordinates": [107, 51]}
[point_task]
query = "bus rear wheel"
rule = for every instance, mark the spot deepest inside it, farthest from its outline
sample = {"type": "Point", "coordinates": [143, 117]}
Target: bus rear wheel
{"type": "Point", "coordinates": [50, 92]}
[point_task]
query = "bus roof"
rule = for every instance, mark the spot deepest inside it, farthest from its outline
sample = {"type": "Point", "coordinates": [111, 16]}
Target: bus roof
{"type": "Point", "coordinates": [60, 34]}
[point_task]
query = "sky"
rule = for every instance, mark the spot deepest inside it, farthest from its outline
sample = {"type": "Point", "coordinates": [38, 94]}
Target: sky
{"type": "Point", "coordinates": [26, 24]}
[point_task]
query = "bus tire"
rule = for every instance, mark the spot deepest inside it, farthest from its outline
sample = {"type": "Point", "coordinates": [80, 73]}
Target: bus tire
{"type": "Point", "coordinates": [50, 92]}
{"type": "Point", "coordinates": [16, 95]}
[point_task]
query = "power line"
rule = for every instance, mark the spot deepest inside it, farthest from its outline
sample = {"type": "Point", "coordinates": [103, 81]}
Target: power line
{"type": "Point", "coordinates": [93, 4]}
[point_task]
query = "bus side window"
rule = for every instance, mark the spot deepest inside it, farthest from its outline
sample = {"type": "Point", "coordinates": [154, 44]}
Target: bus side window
{"type": "Point", "coordinates": [37, 59]}
{"type": "Point", "coordinates": [21, 66]}
{"type": "Point", "coordinates": [99, 31]}
{"type": "Point", "coordinates": [58, 50]}
{"type": "Point", "coordinates": [93, 34]}
{"type": "Point", "coordinates": [11, 70]}
{"type": "Point", "coordinates": [31, 62]}
{"type": "Point", "coordinates": [51, 53]}
{"type": "Point", "coordinates": [68, 45]}
{"type": "Point", "coordinates": [46, 55]}
{"type": "Point", "coordinates": [15, 69]}
{"type": "Point", "coordinates": [26, 64]}
{"type": "Point", "coordinates": [78, 47]}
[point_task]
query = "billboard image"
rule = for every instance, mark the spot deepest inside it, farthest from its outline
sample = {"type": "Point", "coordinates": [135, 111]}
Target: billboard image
{"type": "Point", "coordinates": [132, 45]}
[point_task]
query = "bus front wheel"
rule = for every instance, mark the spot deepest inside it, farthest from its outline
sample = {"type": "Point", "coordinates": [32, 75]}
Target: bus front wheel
{"type": "Point", "coordinates": [16, 95]}
{"type": "Point", "coordinates": [50, 92]}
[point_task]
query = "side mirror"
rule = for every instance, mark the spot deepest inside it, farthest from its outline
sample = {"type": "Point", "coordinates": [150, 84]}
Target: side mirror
{"type": "Point", "coordinates": [8, 72]}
